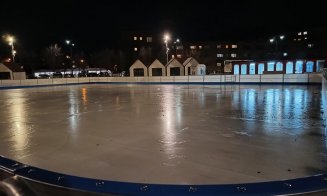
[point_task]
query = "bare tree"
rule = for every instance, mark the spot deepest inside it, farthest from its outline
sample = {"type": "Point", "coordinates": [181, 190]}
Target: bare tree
{"type": "Point", "coordinates": [53, 57]}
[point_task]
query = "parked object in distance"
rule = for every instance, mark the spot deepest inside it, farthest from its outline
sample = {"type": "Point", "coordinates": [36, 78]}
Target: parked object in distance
{"type": "Point", "coordinates": [43, 76]}
{"type": "Point", "coordinates": [82, 74]}
{"type": "Point", "coordinates": [57, 75]}
{"type": "Point", "coordinates": [104, 74]}
{"type": "Point", "coordinates": [69, 76]}
{"type": "Point", "coordinates": [31, 76]}
{"type": "Point", "coordinates": [92, 75]}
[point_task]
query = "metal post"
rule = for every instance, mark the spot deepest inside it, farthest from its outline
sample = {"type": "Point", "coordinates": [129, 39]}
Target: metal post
{"type": "Point", "coordinates": [167, 50]}
{"type": "Point", "coordinates": [13, 52]}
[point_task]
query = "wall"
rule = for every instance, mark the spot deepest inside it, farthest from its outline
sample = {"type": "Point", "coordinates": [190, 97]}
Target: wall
{"type": "Point", "coordinates": [3, 68]}
{"type": "Point", "coordinates": [208, 79]}
{"type": "Point", "coordinates": [157, 65]}
{"type": "Point", "coordinates": [19, 75]}
{"type": "Point", "coordinates": [138, 65]}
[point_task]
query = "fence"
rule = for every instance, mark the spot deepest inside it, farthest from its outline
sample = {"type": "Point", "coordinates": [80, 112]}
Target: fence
{"type": "Point", "coordinates": [29, 179]}
{"type": "Point", "coordinates": [208, 79]}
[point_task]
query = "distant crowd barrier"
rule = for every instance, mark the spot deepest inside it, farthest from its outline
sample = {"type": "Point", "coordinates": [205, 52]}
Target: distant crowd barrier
{"type": "Point", "coordinates": [313, 78]}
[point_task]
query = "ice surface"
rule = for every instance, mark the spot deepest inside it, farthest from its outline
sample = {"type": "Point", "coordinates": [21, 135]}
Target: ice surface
{"type": "Point", "coordinates": [167, 133]}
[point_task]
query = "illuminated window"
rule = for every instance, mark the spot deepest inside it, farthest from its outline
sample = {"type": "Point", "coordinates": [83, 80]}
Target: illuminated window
{"type": "Point", "coordinates": [226, 46]}
{"type": "Point", "coordinates": [179, 47]}
{"type": "Point", "coordinates": [233, 55]}
{"type": "Point", "coordinates": [244, 69]}
{"type": "Point", "coordinates": [200, 47]}
{"type": "Point", "coordinates": [305, 32]}
{"type": "Point", "coordinates": [172, 56]}
{"type": "Point", "coordinates": [135, 49]}
{"type": "Point", "coordinates": [289, 67]}
{"type": "Point", "coordinates": [299, 33]}
{"type": "Point", "coordinates": [261, 68]}
{"type": "Point", "coordinates": [234, 46]}
{"type": "Point", "coordinates": [218, 46]}
{"type": "Point", "coordinates": [219, 64]}
{"type": "Point", "coordinates": [179, 56]}
{"type": "Point", "coordinates": [252, 68]}
{"type": "Point", "coordinates": [279, 66]}
{"type": "Point", "coordinates": [271, 66]}
{"type": "Point", "coordinates": [310, 45]}
{"type": "Point", "coordinates": [305, 38]}
{"type": "Point", "coordinates": [319, 65]}
{"type": "Point", "coordinates": [236, 69]}
{"type": "Point", "coordinates": [135, 38]}
{"type": "Point", "coordinates": [299, 39]}
{"type": "Point", "coordinates": [299, 67]}
{"type": "Point", "coordinates": [193, 47]}
{"type": "Point", "coordinates": [148, 39]}
{"type": "Point", "coordinates": [141, 38]}
{"type": "Point", "coordinates": [220, 55]}
{"type": "Point", "coordinates": [309, 66]}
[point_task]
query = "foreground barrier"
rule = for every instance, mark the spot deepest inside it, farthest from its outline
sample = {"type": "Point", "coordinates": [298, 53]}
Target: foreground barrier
{"type": "Point", "coordinates": [36, 178]}
{"type": "Point", "coordinates": [324, 97]}
{"type": "Point", "coordinates": [313, 78]}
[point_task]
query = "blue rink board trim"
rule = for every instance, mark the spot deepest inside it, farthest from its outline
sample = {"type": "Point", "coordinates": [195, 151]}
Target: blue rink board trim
{"type": "Point", "coordinates": [285, 187]}
{"type": "Point", "coordinates": [158, 83]}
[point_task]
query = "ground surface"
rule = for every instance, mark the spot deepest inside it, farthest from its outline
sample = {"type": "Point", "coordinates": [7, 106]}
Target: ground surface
{"type": "Point", "coordinates": [167, 133]}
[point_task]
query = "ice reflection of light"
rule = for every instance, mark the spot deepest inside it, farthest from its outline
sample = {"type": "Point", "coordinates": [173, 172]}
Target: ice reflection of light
{"type": "Point", "coordinates": [84, 95]}
{"type": "Point", "coordinates": [249, 104]}
{"type": "Point", "coordinates": [286, 110]}
{"type": "Point", "coordinates": [18, 116]}
{"type": "Point", "coordinates": [171, 121]}
{"type": "Point", "coordinates": [74, 110]}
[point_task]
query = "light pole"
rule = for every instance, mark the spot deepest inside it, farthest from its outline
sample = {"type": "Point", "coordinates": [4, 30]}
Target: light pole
{"type": "Point", "coordinates": [176, 44]}
{"type": "Point", "coordinates": [166, 39]}
{"type": "Point", "coordinates": [10, 39]}
{"type": "Point", "coordinates": [68, 42]}
{"type": "Point", "coordinates": [276, 39]}
{"type": "Point", "coordinates": [71, 45]}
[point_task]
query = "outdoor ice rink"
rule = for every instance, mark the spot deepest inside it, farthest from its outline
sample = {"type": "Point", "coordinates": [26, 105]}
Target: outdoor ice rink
{"type": "Point", "coordinates": [172, 134]}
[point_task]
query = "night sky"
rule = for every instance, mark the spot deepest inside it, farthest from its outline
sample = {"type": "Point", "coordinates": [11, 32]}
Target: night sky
{"type": "Point", "coordinates": [96, 24]}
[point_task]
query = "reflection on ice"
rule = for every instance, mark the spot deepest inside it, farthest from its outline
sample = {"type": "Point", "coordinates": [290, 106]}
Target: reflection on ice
{"type": "Point", "coordinates": [20, 129]}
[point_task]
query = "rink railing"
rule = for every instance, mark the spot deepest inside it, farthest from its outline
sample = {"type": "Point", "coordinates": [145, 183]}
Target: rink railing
{"type": "Point", "coordinates": [40, 180]}
{"type": "Point", "coordinates": [313, 78]}
{"type": "Point", "coordinates": [324, 72]}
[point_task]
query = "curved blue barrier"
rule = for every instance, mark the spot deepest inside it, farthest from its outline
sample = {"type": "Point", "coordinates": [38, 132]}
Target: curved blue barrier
{"type": "Point", "coordinates": [284, 187]}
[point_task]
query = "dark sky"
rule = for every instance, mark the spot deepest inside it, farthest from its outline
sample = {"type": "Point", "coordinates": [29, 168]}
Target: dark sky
{"type": "Point", "coordinates": [96, 24]}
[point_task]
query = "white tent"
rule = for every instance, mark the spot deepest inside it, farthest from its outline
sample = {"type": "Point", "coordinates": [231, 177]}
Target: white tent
{"type": "Point", "coordinates": [190, 65]}
{"type": "Point", "coordinates": [157, 69]}
{"type": "Point", "coordinates": [138, 69]}
{"type": "Point", "coordinates": [11, 71]}
{"type": "Point", "coordinates": [174, 68]}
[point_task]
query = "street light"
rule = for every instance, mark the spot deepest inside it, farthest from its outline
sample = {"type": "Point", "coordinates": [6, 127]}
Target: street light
{"type": "Point", "coordinates": [71, 45]}
{"type": "Point", "coordinates": [166, 39]}
{"type": "Point", "coordinates": [11, 40]}
{"type": "Point", "coordinates": [275, 39]}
